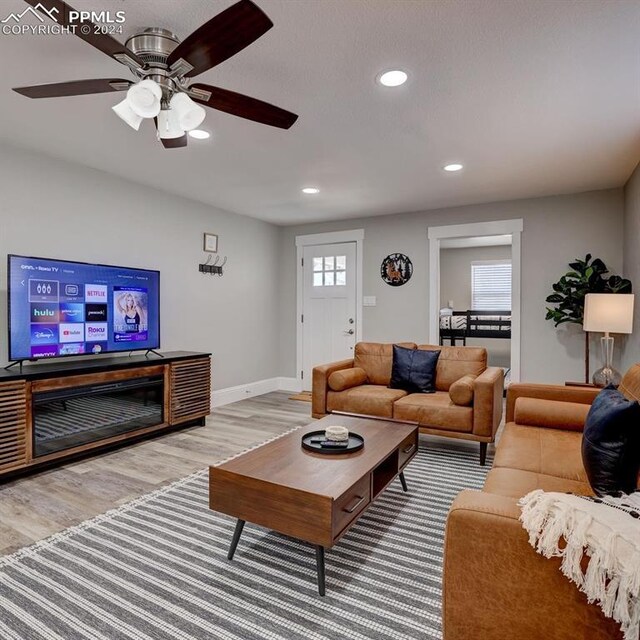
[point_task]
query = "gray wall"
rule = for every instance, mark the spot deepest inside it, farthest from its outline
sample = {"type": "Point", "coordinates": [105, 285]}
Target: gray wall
{"type": "Point", "coordinates": [53, 209]}
{"type": "Point", "coordinates": [631, 268]}
{"type": "Point", "coordinates": [556, 229]}
{"type": "Point", "coordinates": [455, 272]}
{"type": "Point", "coordinates": [455, 284]}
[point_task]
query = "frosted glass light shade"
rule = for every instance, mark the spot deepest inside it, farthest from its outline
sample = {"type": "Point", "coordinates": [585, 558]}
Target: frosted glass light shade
{"type": "Point", "coordinates": [190, 115]}
{"type": "Point", "coordinates": [168, 125]}
{"type": "Point", "coordinates": [124, 111]}
{"type": "Point", "coordinates": [608, 312]}
{"type": "Point", "coordinates": [144, 98]}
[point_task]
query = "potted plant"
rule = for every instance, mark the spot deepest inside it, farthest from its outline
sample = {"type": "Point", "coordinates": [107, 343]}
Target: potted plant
{"type": "Point", "coordinates": [586, 276]}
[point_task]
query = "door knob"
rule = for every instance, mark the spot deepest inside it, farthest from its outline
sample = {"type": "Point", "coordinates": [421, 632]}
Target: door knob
{"type": "Point", "coordinates": [349, 332]}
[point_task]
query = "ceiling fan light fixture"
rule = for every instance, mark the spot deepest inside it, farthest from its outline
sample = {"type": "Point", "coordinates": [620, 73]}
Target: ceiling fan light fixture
{"type": "Point", "coordinates": [168, 125]}
{"type": "Point", "coordinates": [144, 98]}
{"type": "Point", "coordinates": [124, 111]}
{"type": "Point", "coordinates": [190, 115]}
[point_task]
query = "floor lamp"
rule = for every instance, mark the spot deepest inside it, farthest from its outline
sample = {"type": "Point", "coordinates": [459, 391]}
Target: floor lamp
{"type": "Point", "coordinates": [608, 313]}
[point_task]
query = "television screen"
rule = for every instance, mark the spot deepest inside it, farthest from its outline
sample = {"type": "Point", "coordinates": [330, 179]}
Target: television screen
{"type": "Point", "coordinates": [59, 308]}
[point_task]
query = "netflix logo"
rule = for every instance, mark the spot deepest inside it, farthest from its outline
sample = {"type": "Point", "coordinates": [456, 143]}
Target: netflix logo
{"type": "Point", "coordinates": [95, 293]}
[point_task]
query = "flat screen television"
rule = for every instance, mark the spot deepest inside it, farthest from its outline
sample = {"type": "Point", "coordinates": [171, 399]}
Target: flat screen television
{"type": "Point", "coordinates": [62, 308]}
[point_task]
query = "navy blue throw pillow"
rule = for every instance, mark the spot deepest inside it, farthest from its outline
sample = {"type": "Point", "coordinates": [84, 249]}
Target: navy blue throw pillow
{"type": "Point", "coordinates": [414, 370]}
{"type": "Point", "coordinates": [611, 443]}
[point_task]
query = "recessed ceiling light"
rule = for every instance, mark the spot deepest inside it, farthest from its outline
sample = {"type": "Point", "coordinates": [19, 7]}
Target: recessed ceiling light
{"type": "Point", "coordinates": [454, 166]}
{"type": "Point", "coordinates": [199, 134]}
{"type": "Point", "coordinates": [311, 190]}
{"type": "Point", "coordinates": [393, 78]}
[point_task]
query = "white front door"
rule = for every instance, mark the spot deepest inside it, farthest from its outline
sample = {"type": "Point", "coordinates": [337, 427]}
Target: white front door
{"type": "Point", "coordinates": [329, 305]}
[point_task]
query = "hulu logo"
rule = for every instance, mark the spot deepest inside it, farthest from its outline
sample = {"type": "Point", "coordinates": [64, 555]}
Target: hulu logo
{"type": "Point", "coordinates": [43, 313]}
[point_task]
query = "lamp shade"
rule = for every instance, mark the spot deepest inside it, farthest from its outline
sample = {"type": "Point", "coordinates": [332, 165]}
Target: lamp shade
{"type": "Point", "coordinates": [144, 98]}
{"type": "Point", "coordinates": [190, 115]}
{"type": "Point", "coordinates": [124, 111]}
{"type": "Point", "coordinates": [608, 312]}
{"type": "Point", "coordinates": [168, 125]}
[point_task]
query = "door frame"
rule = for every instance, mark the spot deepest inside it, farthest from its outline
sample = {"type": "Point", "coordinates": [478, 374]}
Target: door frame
{"type": "Point", "coordinates": [331, 237]}
{"type": "Point", "coordinates": [512, 227]}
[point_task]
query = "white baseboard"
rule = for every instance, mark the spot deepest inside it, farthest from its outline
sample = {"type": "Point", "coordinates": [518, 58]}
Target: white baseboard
{"type": "Point", "coordinates": [220, 397]}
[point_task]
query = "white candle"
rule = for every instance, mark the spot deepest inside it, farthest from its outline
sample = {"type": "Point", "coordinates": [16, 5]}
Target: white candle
{"type": "Point", "coordinates": [336, 433]}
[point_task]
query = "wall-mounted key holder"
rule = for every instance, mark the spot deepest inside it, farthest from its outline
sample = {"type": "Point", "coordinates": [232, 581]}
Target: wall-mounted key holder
{"type": "Point", "coordinates": [213, 269]}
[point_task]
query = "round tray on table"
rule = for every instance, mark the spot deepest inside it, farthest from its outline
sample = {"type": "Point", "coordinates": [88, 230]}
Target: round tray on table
{"type": "Point", "coordinates": [356, 442]}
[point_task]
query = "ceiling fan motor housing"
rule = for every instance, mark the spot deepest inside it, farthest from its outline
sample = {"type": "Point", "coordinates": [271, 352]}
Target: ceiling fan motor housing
{"type": "Point", "coordinates": [153, 46]}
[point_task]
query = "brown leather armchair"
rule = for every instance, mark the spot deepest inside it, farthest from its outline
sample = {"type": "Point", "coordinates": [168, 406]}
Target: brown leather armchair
{"type": "Point", "coordinates": [467, 403]}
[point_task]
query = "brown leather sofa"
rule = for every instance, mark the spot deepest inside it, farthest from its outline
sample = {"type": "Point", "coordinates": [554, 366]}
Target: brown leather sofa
{"type": "Point", "coordinates": [496, 587]}
{"type": "Point", "coordinates": [467, 402]}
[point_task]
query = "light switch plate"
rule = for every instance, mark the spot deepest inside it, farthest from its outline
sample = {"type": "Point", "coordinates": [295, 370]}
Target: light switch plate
{"type": "Point", "coordinates": [368, 301]}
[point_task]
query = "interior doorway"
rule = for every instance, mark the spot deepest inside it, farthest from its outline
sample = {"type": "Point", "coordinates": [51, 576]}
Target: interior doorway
{"type": "Point", "coordinates": [474, 289]}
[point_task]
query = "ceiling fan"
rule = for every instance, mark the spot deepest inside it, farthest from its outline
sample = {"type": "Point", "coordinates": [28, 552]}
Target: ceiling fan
{"type": "Point", "coordinates": [165, 66]}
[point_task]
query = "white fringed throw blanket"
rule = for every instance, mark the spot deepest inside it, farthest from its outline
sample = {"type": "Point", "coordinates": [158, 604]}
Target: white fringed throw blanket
{"type": "Point", "coordinates": [608, 531]}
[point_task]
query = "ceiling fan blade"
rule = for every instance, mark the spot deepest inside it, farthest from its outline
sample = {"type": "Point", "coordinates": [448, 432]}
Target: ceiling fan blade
{"type": "Point", "coordinates": [174, 143]}
{"type": "Point", "coordinates": [74, 88]}
{"type": "Point", "coordinates": [222, 37]}
{"type": "Point", "coordinates": [58, 11]}
{"type": "Point", "coordinates": [243, 106]}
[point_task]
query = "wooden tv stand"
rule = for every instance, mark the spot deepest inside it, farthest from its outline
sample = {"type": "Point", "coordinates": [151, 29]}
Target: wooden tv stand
{"type": "Point", "coordinates": [143, 395]}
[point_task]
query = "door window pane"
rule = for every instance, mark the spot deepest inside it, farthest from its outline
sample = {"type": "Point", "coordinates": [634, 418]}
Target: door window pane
{"type": "Point", "coordinates": [330, 271]}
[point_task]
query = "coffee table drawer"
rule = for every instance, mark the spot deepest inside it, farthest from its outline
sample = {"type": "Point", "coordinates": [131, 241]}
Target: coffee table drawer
{"type": "Point", "coordinates": [407, 449]}
{"type": "Point", "coordinates": [349, 505]}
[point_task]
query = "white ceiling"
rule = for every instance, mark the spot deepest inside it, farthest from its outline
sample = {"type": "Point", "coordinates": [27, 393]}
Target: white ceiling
{"type": "Point", "coordinates": [535, 97]}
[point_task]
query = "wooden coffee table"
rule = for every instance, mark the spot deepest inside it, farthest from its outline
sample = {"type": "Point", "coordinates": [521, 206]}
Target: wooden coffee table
{"type": "Point", "coordinates": [312, 496]}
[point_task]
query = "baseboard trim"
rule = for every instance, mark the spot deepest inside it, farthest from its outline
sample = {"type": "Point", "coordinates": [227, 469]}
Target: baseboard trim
{"type": "Point", "coordinates": [221, 397]}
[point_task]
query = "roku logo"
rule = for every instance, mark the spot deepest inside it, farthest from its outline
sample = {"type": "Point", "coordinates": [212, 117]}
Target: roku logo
{"type": "Point", "coordinates": [95, 330]}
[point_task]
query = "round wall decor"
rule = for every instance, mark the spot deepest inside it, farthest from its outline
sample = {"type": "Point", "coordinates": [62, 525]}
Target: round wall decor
{"type": "Point", "coordinates": [396, 269]}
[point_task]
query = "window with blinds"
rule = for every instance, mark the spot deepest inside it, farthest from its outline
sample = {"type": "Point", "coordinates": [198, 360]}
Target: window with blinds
{"type": "Point", "coordinates": [491, 286]}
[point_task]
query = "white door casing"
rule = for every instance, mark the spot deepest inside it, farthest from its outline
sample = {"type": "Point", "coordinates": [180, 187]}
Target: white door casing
{"type": "Point", "coordinates": [512, 227]}
{"type": "Point", "coordinates": [329, 321]}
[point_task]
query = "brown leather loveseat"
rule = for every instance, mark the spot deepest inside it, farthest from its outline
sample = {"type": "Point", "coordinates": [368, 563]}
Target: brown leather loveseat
{"type": "Point", "coordinates": [496, 587]}
{"type": "Point", "coordinates": [467, 403]}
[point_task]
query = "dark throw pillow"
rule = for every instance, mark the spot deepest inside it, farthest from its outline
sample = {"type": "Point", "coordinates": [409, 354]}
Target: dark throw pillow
{"type": "Point", "coordinates": [414, 370]}
{"type": "Point", "coordinates": [611, 443]}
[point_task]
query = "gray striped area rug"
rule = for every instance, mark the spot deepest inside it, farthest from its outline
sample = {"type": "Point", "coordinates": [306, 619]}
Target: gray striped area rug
{"type": "Point", "coordinates": [156, 569]}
